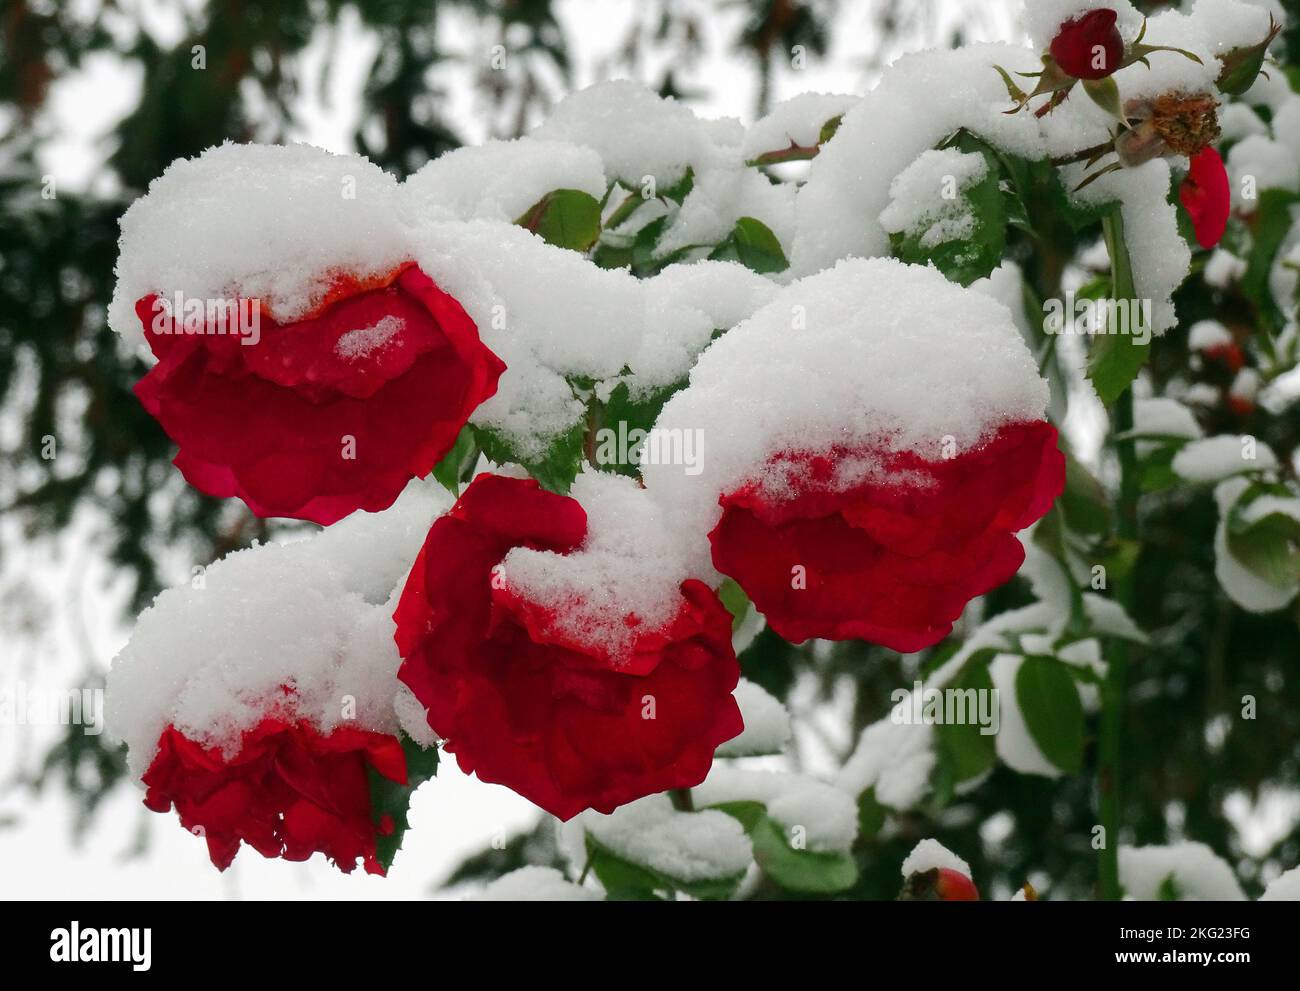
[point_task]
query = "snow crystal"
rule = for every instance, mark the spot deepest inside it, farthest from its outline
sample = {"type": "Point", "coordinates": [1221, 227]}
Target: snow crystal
{"type": "Point", "coordinates": [767, 724]}
{"type": "Point", "coordinates": [826, 815]}
{"type": "Point", "coordinates": [291, 628]}
{"type": "Point", "coordinates": [366, 340]}
{"type": "Point", "coordinates": [687, 846]}
{"type": "Point", "coordinates": [1284, 888]}
{"type": "Point", "coordinates": [872, 351]}
{"type": "Point", "coordinates": [894, 758]}
{"type": "Point", "coordinates": [535, 884]}
{"type": "Point", "coordinates": [929, 855]}
{"type": "Point", "coordinates": [1286, 125]}
{"type": "Point", "coordinates": [628, 567]}
{"type": "Point", "coordinates": [1195, 871]}
{"type": "Point", "coordinates": [499, 180]}
{"type": "Point", "coordinates": [638, 133]}
{"type": "Point", "coordinates": [924, 197]}
{"type": "Point", "coordinates": [1216, 458]}
{"type": "Point", "coordinates": [797, 121]}
{"type": "Point", "coordinates": [258, 221]}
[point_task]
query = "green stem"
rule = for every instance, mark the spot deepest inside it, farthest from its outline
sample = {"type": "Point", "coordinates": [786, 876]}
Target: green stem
{"type": "Point", "coordinates": [682, 799]}
{"type": "Point", "coordinates": [1126, 531]}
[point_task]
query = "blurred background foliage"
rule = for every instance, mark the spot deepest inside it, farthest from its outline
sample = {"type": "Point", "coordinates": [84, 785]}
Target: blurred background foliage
{"type": "Point", "coordinates": [63, 374]}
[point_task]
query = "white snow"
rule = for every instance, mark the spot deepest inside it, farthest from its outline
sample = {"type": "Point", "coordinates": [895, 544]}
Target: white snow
{"type": "Point", "coordinates": [214, 657]}
{"type": "Point", "coordinates": [499, 180]}
{"type": "Point", "coordinates": [1216, 458]}
{"type": "Point", "coordinates": [1161, 417]}
{"type": "Point", "coordinates": [1206, 334]}
{"type": "Point", "coordinates": [1284, 888]}
{"type": "Point", "coordinates": [266, 222]}
{"type": "Point", "coordinates": [1197, 873]}
{"type": "Point", "coordinates": [929, 855]}
{"type": "Point", "coordinates": [796, 121]}
{"type": "Point", "coordinates": [720, 197]}
{"type": "Point", "coordinates": [535, 884]}
{"type": "Point", "coordinates": [1266, 164]}
{"type": "Point", "coordinates": [686, 846]}
{"type": "Point", "coordinates": [638, 133]}
{"type": "Point", "coordinates": [894, 758]}
{"type": "Point", "coordinates": [622, 582]}
{"type": "Point", "coordinates": [826, 816]}
{"type": "Point", "coordinates": [925, 198]}
{"type": "Point", "coordinates": [767, 724]}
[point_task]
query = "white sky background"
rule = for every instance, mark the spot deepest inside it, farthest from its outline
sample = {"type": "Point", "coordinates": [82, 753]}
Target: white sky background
{"type": "Point", "coordinates": [452, 815]}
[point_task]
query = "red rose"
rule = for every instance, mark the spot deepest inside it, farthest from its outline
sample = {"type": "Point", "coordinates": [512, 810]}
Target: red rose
{"type": "Point", "coordinates": [332, 413]}
{"type": "Point", "coordinates": [1207, 197]}
{"type": "Point", "coordinates": [289, 791]}
{"type": "Point", "coordinates": [524, 704]}
{"type": "Point", "coordinates": [1089, 47]}
{"type": "Point", "coordinates": [894, 557]}
{"type": "Point", "coordinates": [939, 884]}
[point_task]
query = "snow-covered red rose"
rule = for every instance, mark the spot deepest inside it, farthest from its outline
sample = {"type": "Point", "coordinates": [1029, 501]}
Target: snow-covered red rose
{"type": "Point", "coordinates": [305, 365]}
{"type": "Point", "coordinates": [287, 791]}
{"type": "Point", "coordinates": [1089, 46]}
{"type": "Point", "coordinates": [888, 546]}
{"type": "Point", "coordinates": [527, 635]}
{"type": "Point", "coordinates": [865, 471]}
{"type": "Point", "coordinates": [260, 701]}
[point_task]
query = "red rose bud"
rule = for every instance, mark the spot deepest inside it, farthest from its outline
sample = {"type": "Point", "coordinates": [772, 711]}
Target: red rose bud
{"type": "Point", "coordinates": [523, 701]}
{"type": "Point", "coordinates": [288, 791]}
{"type": "Point", "coordinates": [939, 884]}
{"type": "Point", "coordinates": [1207, 197]}
{"type": "Point", "coordinates": [317, 418]}
{"type": "Point", "coordinates": [895, 557]}
{"type": "Point", "coordinates": [1229, 355]}
{"type": "Point", "coordinates": [1089, 47]}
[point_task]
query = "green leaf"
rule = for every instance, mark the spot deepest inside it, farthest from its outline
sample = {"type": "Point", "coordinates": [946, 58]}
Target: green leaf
{"type": "Point", "coordinates": [623, 415]}
{"type": "Point", "coordinates": [745, 812]}
{"type": "Point", "coordinates": [754, 245]}
{"type": "Point", "coordinates": [1084, 503]}
{"type": "Point", "coordinates": [1274, 221]}
{"type": "Point", "coordinates": [969, 256]}
{"type": "Point", "coordinates": [458, 462]}
{"type": "Point", "coordinates": [1049, 700]}
{"type": "Point", "coordinates": [1269, 547]}
{"type": "Point", "coordinates": [967, 751]}
{"type": "Point", "coordinates": [1116, 357]}
{"type": "Point", "coordinates": [558, 465]}
{"type": "Point", "coordinates": [804, 871]}
{"type": "Point", "coordinates": [388, 798]}
{"type": "Point", "coordinates": [566, 218]}
{"type": "Point", "coordinates": [736, 601]}
{"type": "Point", "coordinates": [625, 880]}
{"type": "Point", "coordinates": [871, 814]}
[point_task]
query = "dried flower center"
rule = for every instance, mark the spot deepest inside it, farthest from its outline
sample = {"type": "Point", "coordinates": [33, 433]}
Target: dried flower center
{"type": "Point", "coordinates": [1186, 124]}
